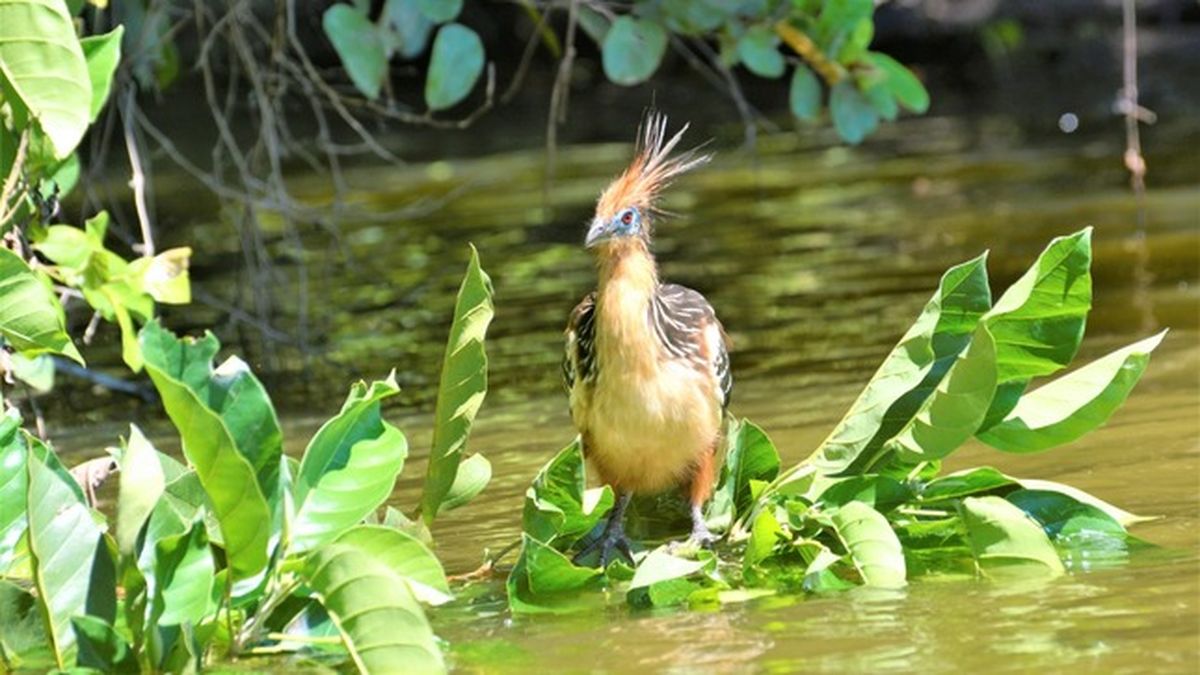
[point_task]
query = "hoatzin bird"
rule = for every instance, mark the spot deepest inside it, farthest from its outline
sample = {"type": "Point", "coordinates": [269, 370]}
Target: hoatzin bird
{"type": "Point", "coordinates": [646, 364]}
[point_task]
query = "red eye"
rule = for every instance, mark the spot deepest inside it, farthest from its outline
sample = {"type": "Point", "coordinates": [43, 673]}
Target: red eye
{"type": "Point", "coordinates": [627, 217]}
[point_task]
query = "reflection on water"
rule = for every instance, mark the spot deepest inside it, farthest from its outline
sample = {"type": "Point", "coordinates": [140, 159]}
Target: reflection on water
{"type": "Point", "coordinates": [817, 259]}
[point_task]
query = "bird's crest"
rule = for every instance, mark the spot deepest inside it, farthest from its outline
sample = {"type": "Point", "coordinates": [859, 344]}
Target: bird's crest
{"type": "Point", "coordinates": [652, 169]}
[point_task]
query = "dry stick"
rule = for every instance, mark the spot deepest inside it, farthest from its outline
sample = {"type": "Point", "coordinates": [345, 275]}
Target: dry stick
{"type": "Point", "coordinates": [138, 180]}
{"type": "Point", "coordinates": [1127, 103]}
{"type": "Point", "coordinates": [559, 96]}
{"type": "Point", "coordinates": [808, 50]}
{"type": "Point", "coordinates": [540, 29]}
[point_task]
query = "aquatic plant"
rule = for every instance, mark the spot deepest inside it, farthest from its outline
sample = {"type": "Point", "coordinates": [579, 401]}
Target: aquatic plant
{"type": "Point", "coordinates": [871, 505]}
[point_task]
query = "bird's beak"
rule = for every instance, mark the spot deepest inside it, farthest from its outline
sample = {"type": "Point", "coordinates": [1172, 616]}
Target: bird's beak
{"type": "Point", "coordinates": [597, 233]}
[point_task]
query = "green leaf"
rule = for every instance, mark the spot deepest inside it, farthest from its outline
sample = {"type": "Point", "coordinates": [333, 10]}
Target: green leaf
{"type": "Point", "coordinates": [764, 536]}
{"type": "Point", "coordinates": [474, 474]}
{"type": "Point", "coordinates": [882, 100]}
{"type": "Point", "coordinates": [1006, 541]}
{"type": "Point", "coordinates": [544, 581]}
{"type": "Point", "coordinates": [22, 629]}
{"type": "Point", "coordinates": [462, 386]}
{"type": "Point", "coordinates": [952, 414]}
{"type": "Point", "coordinates": [881, 493]}
{"type": "Point", "coordinates": [663, 580]}
{"type": "Point", "coordinates": [379, 617]}
{"type": "Point", "coordinates": [854, 45]}
{"type": "Point", "coordinates": [13, 479]}
{"type": "Point", "coordinates": [853, 115]}
{"type": "Point", "coordinates": [37, 372]}
{"type": "Point", "coordinates": [557, 505]}
{"type": "Point", "coordinates": [750, 455]}
{"type": "Point", "coordinates": [358, 46]}
{"type": "Point", "coordinates": [229, 433]}
{"type": "Point", "coordinates": [101, 647]}
{"type": "Point", "coordinates": [695, 17]}
{"type": "Point", "coordinates": [911, 370]}
{"type": "Point", "coordinates": [141, 485]}
{"type": "Point", "coordinates": [1073, 405]}
{"type": "Point", "coordinates": [1039, 321]}
{"type": "Point", "coordinates": [964, 484]}
{"type": "Point", "coordinates": [1061, 515]}
{"type": "Point", "coordinates": [180, 582]}
{"type": "Point", "coordinates": [43, 71]}
{"type": "Point", "coordinates": [406, 556]}
{"type": "Point", "coordinates": [804, 95]}
{"type": "Point", "coordinates": [871, 543]}
{"type": "Point", "coordinates": [164, 277]}
{"type": "Point", "coordinates": [1120, 515]}
{"type": "Point", "coordinates": [838, 21]}
{"type": "Point", "coordinates": [103, 53]}
{"type": "Point", "coordinates": [440, 11]}
{"type": "Point", "coordinates": [403, 28]}
{"type": "Point", "coordinates": [632, 50]}
{"type": "Point", "coordinates": [901, 82]}
{"type": "Point", "coordinates": [454, 66]}
{"type": "Point", "coordinates": [758, 49]}
{"type": "Point", "coordinates": [349, 468]}
{"type": "Point", "coordinates": [64, 539]}
{"type": "Point", "coordinates": [30, 317]}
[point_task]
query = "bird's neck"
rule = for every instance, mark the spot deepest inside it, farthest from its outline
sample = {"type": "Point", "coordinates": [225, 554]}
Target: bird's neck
{"type": "Point", "coordinates": [628, 281]}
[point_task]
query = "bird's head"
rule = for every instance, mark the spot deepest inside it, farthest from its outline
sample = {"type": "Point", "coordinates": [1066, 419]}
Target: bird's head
{"type": "Point", "coordinates": [626, 208]}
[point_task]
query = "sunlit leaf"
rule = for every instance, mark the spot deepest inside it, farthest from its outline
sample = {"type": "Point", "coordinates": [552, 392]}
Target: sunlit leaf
{"type": "Point", "coordinates": [462, 386]}
{"type": "Point", "coordinates": [663, 579]}
{"type": "Point", "coordinates": [871, 543]}
{"type": "Point", "coordinates": [358, 46]}
{"type": "Point", "coordinates": [1074, 404]}
{"type": "Point", "coordinates": [900, 81]}
{"type": "Point", "coordinates": [381, 621]}
{"type": "Point", "coordinates": [764, 536]}
{"type": "Point", "coordinates": [30, 317]}
{"type": "Point", "coordinates": [838, 20]}
{"type": "Point", "coordinates": [180, 582]}
{"type": "Point", "coordinates": [558, 507]}
{"type": "Point", "coordinates": [141, 484]}
{"type": "Point", "coordinates": [455, 65]}
{"type": "Point", "coordinates": [165, 276]}
{"type": "Point", "coordinates": [750, 455]}
{"type": "Point", "coordinates": [544, 581]}
{"type": "Point", "coordinates": [881, 493]}
{"type": "Point", "coordinates": [13, 479]}
{"type": "Point", "coordinates": [632, 50]}
{"type": "Point", "coordinates": [1120, 515]}
{"type": "Point", "coordinates": [965, 483]}
{"type": "Point", "coordinates": [43, 73]}
{"type": "Point", "coordinates": [37, 372]}
{"type": "Point", "coordinates": [406, 556]}
{"type": "Point", "coordinates": [103, 53]}
{"type": "Point", "coordinates": [474, 473]}
{"type": "Point", "coordinates": [1006, 541]}
{"type": "Point", "coordinates": [349, 468]}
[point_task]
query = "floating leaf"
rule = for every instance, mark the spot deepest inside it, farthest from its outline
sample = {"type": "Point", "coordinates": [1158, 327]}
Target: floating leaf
{"type": "Point", "coordinates": [871, 543]}
{"type": "Point", "coordinates": [545, 581]}
{"type": "Point", "coordinates": [881, 493]}
{"type": "Point", "coordinates": [454, 67]}
{"type": "Point", "coordinates": [1006, 541]}
{"type": "Point", "coordinates": [43, 72]}
{"type": "Point", "coordinates": [358, 46]}
{"type": "Point", "coordinates": [1071, 406]}
{"type": "Point", "coordinates": [804, 95]}
{"type": "Point", "coordinates": [1120, 515]}
{"type": "Point", "coordinates": [758, 49]}
{"type": "Point", "coordinates": [462, 386]}
{"type": "Point", "coordinates": [557, 505]}
{"type": "Point", "coordinates": [30, 317]}
{"type": "Point", "coordinates": [349, 468]}
{"type": "Point", "coordinates": [663, 580]}
{"type": "Point", "coordinates": [632, 50]}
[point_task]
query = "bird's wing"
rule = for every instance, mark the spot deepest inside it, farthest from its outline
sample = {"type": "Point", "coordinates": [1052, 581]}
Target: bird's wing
{"type": "Point", "coordinates": [687, 327]}
{"type": "Point", "coordinates": [579, 359]}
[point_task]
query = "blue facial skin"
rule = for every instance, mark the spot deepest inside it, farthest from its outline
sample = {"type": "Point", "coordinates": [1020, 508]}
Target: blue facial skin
{"type": "Point", "coordinates": [627, 222]}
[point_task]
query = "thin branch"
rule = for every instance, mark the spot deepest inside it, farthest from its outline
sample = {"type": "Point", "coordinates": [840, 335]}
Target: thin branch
{"type": "Point", "coordinates": [561, 92]}
{"type": "Point", "coordinates": [137, 181]}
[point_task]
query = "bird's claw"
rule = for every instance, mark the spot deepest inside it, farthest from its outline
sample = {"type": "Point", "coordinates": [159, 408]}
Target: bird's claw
{"type": "Point", "coordinates": [700, 538]}
{"type": "Point", "coordinates": [613, 539]}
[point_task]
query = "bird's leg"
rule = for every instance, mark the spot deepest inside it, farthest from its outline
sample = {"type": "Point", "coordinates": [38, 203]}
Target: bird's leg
{"type": "Point", "coordinates": [701, 490]}
{"type": "Point", "coordinates": [613, 537]}
{"type": "Point", "coordinates": [700, 534]}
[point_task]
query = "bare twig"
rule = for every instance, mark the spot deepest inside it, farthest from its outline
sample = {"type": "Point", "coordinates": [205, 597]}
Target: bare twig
{"type": "Point", "coordinates": [137, 181]}
{"type": "Point", "coordinates": [808, 50]}
{"type": "Point", "coordinates": [561, 92]}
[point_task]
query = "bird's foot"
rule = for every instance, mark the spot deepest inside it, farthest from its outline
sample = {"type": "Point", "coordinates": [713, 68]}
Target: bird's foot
{"type": "Point", "coordinates": [612, 540]}
{"type": "Point", "coordinates": [700, 538]}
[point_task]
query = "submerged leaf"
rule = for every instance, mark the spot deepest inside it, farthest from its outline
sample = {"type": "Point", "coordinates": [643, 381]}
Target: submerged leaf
{"type": "Point", "coordinates": [1006, 541]}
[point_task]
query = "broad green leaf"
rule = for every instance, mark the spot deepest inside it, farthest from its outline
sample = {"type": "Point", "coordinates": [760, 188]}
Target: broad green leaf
{"type": "Point", "coordinates": [381, 621]}
{"type": "Point", "coordinates": [181, 581]}
{"type": "Point", "coordinates": [544, 581]}
{"type": "Point", "coordinates": [758, 50]}
{"type": "Point", "coordinates": [164, 277]}
{"type": "Point", "coordinates": [64, 540]}
{"type": "Point", "coordinates": [750, 455]}
{"type": "Point", "coordinates": [37, 372]}
{"type": "Point", "coordinates": [102, 53]}
{"type": "Point", "coordinates": [900, 81]}
{"type": "Point", "coordinates": [142, 483]}
{"type": "Point", "coordinates": [819, 575]}
{"type": "Point", "coordinates": [965, 484]}
{"type": "Point", "coordinates": [853, 115]}
{"type": "Point", "coordinates": [462, 386]}
{"type": "Point", "coordinates": [911, 370]}
{"type": "Point", "coordinates": [632, 50]}
{"type": "Point", "coordinates": [881, 100]}
{"type": "Point", "coordinates": [101, 647]}
{"type": "Point", "coordinates": [455, 64]}
{"type": "Point", "coordinates": [358, 46]}
{"type": "Point", "coordinates": [403, 28]}
{"type": "Point", "coordinates": [558, 507]}
{"type": "Point", "coordinates": [838, 20]}
{"type": "Point", "coordinates": [474, 473]}
{"type": "Point", "coordinates": [229, 433]}
{"type": "Point", "coordinates": [13, 479]}
{"type": "Point", "coordinates": [349, 468]}
{"type": "Point", "coordinates": [1061, 515]}
{"type": "Point", "coordinates": [855, 43]}
{"type": "Point", "coordinates": [406, 556]}
{"type": "Point", "coordinates": [804, 94]}
{"type": "Point", "coordinates": [663, 580]}
{"type": "Point", "coordinates": [43, 71]}
{"type": "Point", "coordinates": [1120, 515]}
{"type": "Point", "coordinates": [1074, 404]}
{"type": "Point", "coordinates": [871, 543]}
{"type": "Point", "coordinates": [22, 630]}
{"type": "Point", "coordinates": [881, 493]}
{"type": "Point", "coordinates": [764, 536]}
{"type": "Point", "coordinates": [952, 414]}
{"type": "Point", "coordinates": [1039, 321]}
{"type": "Point", "coordinates": [1006, 541]}
{"type": "Point", "coordinates": [30, 317]}
{"type": "Point", "coordinates": [440, 11]}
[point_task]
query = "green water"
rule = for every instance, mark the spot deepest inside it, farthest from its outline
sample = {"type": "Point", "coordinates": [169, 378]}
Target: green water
{"type": "Point", "coordinates": [817, 258]}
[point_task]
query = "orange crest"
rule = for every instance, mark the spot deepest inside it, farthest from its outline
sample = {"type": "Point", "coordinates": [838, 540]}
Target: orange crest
{"type": "Point", "coordinates": [653, 168]}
